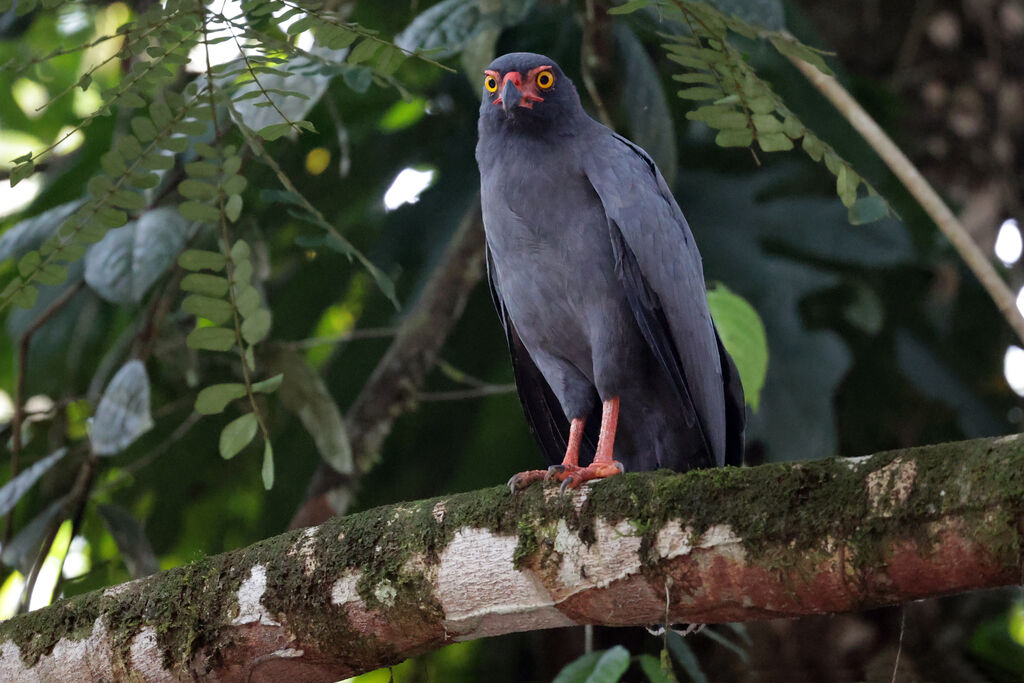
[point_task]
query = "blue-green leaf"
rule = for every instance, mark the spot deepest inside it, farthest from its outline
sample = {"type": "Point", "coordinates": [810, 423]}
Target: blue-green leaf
{"type": "Point", "coordinates": [123, 412]}
{"type": "Point", "coordinates": [237, 434]}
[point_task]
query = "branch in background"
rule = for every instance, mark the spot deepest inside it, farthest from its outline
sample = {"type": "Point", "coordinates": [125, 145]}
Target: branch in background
{"type": "Point", "coordinates": [395, 383]}
{"type": "Point", "coordinates": [919, 188]}
{"type": "Point", "coordinates": [722, 545]}
{"type": "Point", "coordinates": [19, 387]}
{"type": "Point", "coordinates": [354, 335]}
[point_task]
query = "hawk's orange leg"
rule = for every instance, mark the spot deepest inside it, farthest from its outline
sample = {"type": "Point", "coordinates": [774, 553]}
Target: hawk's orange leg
{"type": "Point", "coordinates": [569, 472]}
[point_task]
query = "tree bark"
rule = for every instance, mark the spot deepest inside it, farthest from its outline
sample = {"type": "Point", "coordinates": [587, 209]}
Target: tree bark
{"type": "Point", "coordinates": [373, 588]}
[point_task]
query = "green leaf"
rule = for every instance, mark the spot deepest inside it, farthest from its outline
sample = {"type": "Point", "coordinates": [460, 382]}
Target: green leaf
{"type": "Point", "coordinates": [237, 434]}
{"type": "Point", "coordinates": [388, 60]}
{"type": "Point", "coordinates": [99, 186]}
{"type": "Point", "coordinates": [578, 670]}
{"type": "Point", "coordinates": [305, 394]}
{"type": "Point", "coordinates": [792, 48]}
{"type": "Point", "coordinates": [143, 128]}
{"type": "Point", "coordinates": [764, 104]}
{"type": "Point", "coordinates": [729, 120]}
{"type": "Point", "coordinates": [300, 25]}
{"type": "Point", "coordinates": [766, 123]}
{"type": "Point", "coordinates": [211, 339]}
{"type": "Point", "coordinates": [111, 217]}
{"type": "Point", "coordinates": [774, 142]}
{"type": "Point", "coordinates": [240, 251]}
{"type": "Point", "coordinates": [202, 169]}
{"type": "Point", "coordinates": [112, 163]}
{"type": "Point", "coordinates": [687, 659]}
{"type": "Point", "coordinates": [269, 385]}
{"type": "Point", "coordinates": [209, 285]}
{"type": "Point", "coordinates": [200, 259]}
{"type": "Point", "coordinates": [335, 37]}
{"type": "Point", "coordinates": [274, 131]}
{"type": "Point", "coordinates": [52, 274]}
{"type": "Point", "coordinates": [700, 93]}
{"type": "Point", "coordinates": [868, 210]}
{"type": "Point", "coordinates": [652, 669]}
{"type": "Point", "coordinates": [257, 326]}
{"type": "Point", "coordinates": [197, 211]}
{"type": "Point", "coordinates": [215, 310]}
{"type": "Point", "coordinates": [197, 189]}
{"type": "Point", "coordinates": [813, 146]}
{"type": "Point", "coordinates": [214, 399]}
{"type": "Point", "coordinates": [25, 295]}
{"type": "Point", "coordinates": [126, 199]}
{"type": "Point", "coordinates": [233, 207]}
{"type": "Point", "coordinates": [734, 138]}
{"type": "Point", "coordinates": [403, 114]}
{"type": "Point", "coordinates": [22, 171]}
{"type": "Point", "coordinates": [268, 466]}
{"type": "Point", "coordinates": [155, 161]}
{"type": "Point", "coordinates": [630, 7]}
{"type": "Point", "coordinates": [247, 299]}
{"type": "Point", "coordinates": [610, 667]}
{"type": "Point", "coordinates": [743, 336]}
{"type": "Point", "coordinates": [242, 272]}
{"type": "Point", "coordinates": [236, 183]}
{"type": "Point", "coordinates": [364, 51]}
{"type": "Point", "coordinates": [710, 112]}
{"type": "Point", "coordinates": [29, 264]}
{"type": "Point", "coordinates": [846, 185]}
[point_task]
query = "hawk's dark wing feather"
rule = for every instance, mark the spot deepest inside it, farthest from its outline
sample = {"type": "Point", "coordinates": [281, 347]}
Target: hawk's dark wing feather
{"type": "Point", "coordinates": [543, 412]}
{"type": "Point", "coordinates": [661, 270]}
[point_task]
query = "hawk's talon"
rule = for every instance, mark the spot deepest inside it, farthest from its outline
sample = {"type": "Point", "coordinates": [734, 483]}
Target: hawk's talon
{"type": "Point", "coordinates": [554, 471]}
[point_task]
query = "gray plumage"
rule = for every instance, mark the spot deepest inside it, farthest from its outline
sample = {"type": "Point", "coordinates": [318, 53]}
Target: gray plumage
{"type": "Point", "coordinates": [598, 282]}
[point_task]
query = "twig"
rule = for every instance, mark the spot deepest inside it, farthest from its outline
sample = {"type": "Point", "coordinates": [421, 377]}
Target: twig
{"type": "Point", "coordinates": [456, 375]}
{"type": "Point", "coordinates": [462, 394]}
{"type": "Point", "coordinates": [920, 189]}
{"type": "Point", "coordinates": [312, 342]}
{"type": "Point", "coordinates": [19, 388]}
{"type": "Point", "coordinates": [899, 647]}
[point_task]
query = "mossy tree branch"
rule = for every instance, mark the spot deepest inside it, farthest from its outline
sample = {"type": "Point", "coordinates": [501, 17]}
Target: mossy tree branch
{"type": "Point", "coordinates": [373, 588]}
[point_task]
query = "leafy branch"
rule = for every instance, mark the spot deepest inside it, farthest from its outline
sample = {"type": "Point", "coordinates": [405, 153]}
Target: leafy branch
{"type": "Point", "coordinates": [742, 106]}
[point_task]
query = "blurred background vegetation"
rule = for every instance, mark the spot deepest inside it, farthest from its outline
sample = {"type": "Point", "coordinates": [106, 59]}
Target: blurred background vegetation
{"type": "Point", "coordinates": [878, 336]}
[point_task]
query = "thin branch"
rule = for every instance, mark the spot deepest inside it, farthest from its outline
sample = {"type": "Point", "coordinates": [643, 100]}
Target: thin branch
{"type": "Point", "coordinates": [370, 589]}
{"type": "Point", "coordinates": [921, 190]}
{"type": "Point", "coordinates": [463, 394]}
{"type": "Point", "coordinates": [354, 335]}
{"type": "Point", "coordinates": [19, 388]}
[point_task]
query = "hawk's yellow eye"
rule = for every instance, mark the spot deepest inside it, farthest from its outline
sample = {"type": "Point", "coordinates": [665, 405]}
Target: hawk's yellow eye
{"type": "Point", "coordinates": [545, 80]}
{"type": "Point", "coordinates": [491, 84]}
